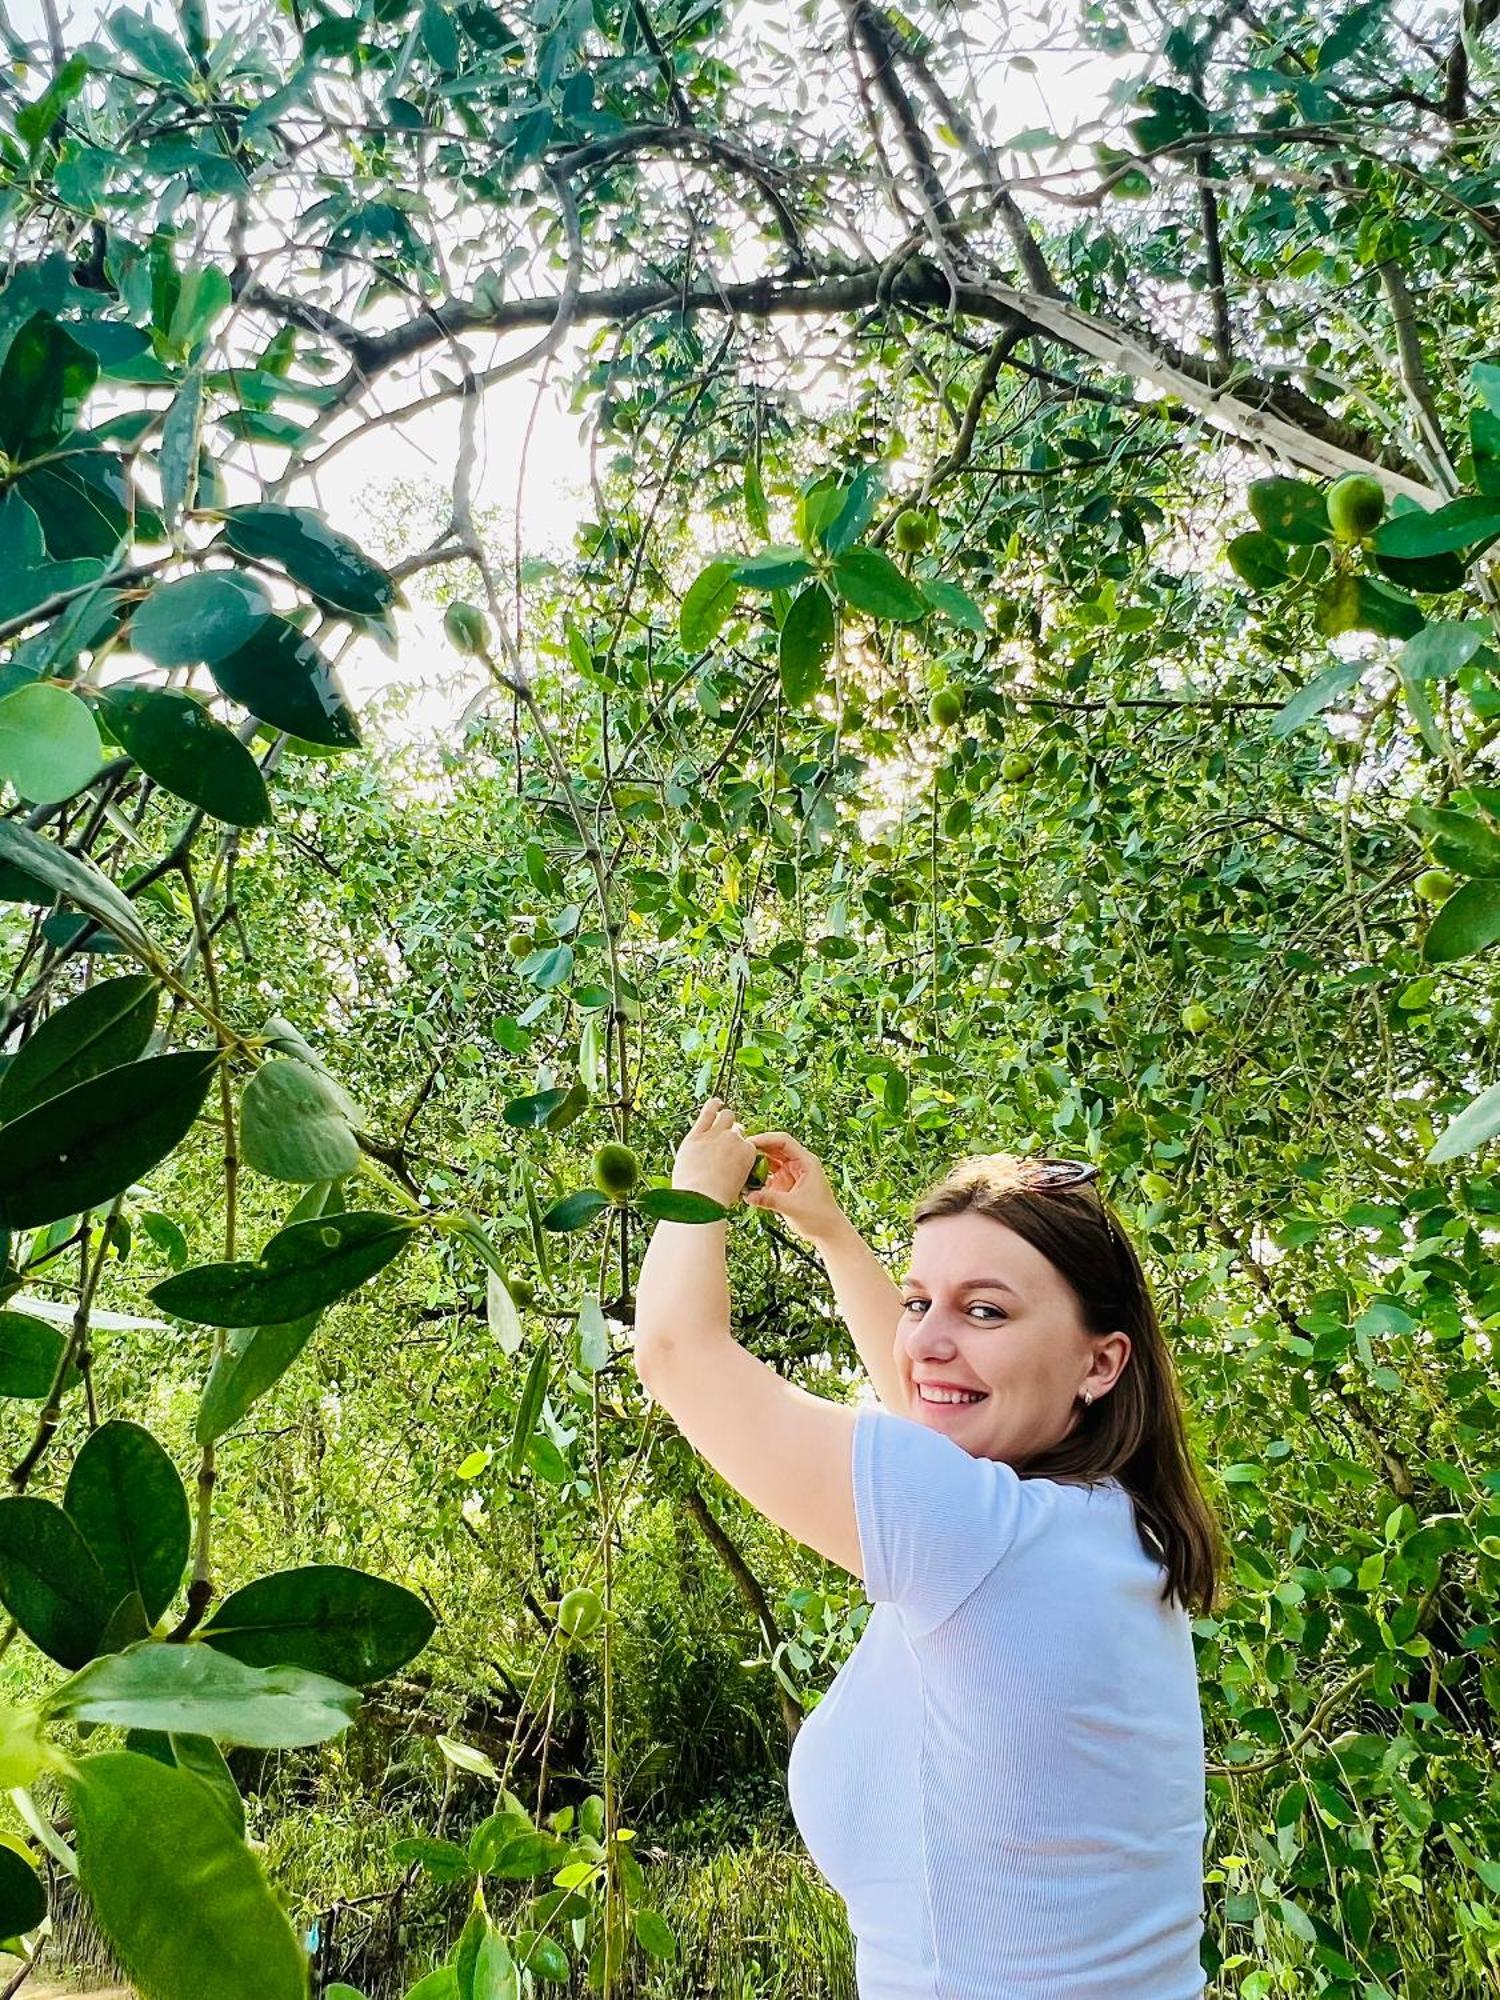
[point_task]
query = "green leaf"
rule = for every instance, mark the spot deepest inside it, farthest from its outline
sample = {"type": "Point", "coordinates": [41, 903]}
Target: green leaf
{"type": "Point", "coordinates": [575, 1211]}
{"type": "Point", "coordinates": [668, 1204]}
{"type": "Point", "coordinates": [49, 1581]}
{"type": "Point", "coordinates": [332, 566]}
{"type": "Point", "coordinates": [87, 1145]}
{"type": "Point", "coordinates": [23, 1900]}
{"type": "Point", "coordinates": [806, 645]}
{"type": "Point", "coordinates": [854, 515]}
{"type": "Point", "coordinates": [150, 48]}
{"type": "Point", "coordinates": [1479, 1120]}
{"type": "Point", "coordinates": [200, 1691]}
{"type": "Point", "coordinates": [541, 1956]}
{"type": "Point", "coordinates": [76, 878]}
{"type": "Point", "coordinates": [1441, 648]}
{"type": "Point", "coordinates": [756, 511]}
{"type": "Point", "coordinates": [302, 1269]}
{"type": "Point", "coordinates": [529, 1408]}
{"type": "Point", "coordinates": [203, 617]}
{"type": "Point", "coordinates": [49, 743]}
{"type": "Point", "coordinates": [593, 1336]}
{"type": "Point", "coordinates": [1484, 442]}
{"type": "Point", "coordinates": [43, 383]}
{"type": "Point", "coordinates": [30, 1353]}
{"type": "Point", "coordinates": [444, 1860]}
{"type": "Point", "coordinates": [1485, 377]}
{"type": "Point", "coordinates": [655, 1934]}
{"type": "Point", "coordinates": [872, 583]}
{"type": "Point", "coordinates": [176, 741]}
{"type": "Point", "coordinates": [28, 576]}
{"type": "Point", "coordinates": [441, 1984]}
{"type": "Point", "coordinates": [956, 605]}
{"type": "Point", "coordinates": [204, 293]}
{"type": "Point", "coordinates": [182, 1900]}
{"type": "Point", "coordinates": [1290, 510]}
{"type": "Point", "coordinates": [1467, 922]}
{"type": "Point", "coordinates": [252, 1360]}
{"type": "Point", "coordinates": [108, 1024]}
{"type": "Point", "coordinates": [342, 1622]}
{"type": "Point", "coordinates": [439, 36]}
{"type": "Point", "coordinates": [775, 568]}
{"type": "Point", "coordinates": [707, 604]}
{"type": "Point", "coordinates": [181, 441]}
{"type": "Point", "coordinates": [125, 1498]}
{"type": "Point", "coordinates": [198, 1754]}
{"type": "Point", "coordinates": [295, 1123]}
{"type": "Point", "coordinates": [34, 122]}
{"type": "Point", "coordinates": [1260, 560]}
{"type": "Point", "coordinates": [281, 677]}
{"type": "Point", "coordinates": [1460, 840]}
{"type": "Point", "coordinates": [525, 1855]}
{"type": "Point", "coordinates": [1458, 525]}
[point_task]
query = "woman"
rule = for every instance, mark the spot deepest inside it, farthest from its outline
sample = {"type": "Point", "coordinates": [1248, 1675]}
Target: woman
{"type": "Point", "coordinates": [1005, 1780]}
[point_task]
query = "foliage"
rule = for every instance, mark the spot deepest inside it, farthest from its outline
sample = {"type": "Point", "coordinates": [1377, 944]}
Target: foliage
{"type": "Point", "coordinates": [269, 987]}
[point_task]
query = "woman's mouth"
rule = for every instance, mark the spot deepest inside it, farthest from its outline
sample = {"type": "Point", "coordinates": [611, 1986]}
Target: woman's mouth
{"type": "Point", "coordinates": [947, 1399]}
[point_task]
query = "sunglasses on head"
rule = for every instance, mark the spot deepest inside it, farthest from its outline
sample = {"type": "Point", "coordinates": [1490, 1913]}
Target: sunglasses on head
{"type": "Point", "coordinates": [1045, 1173]}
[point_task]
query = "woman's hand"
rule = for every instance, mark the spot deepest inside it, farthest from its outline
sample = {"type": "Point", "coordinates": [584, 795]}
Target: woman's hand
{"type": "Point", "coordinates": [715, 1158]}
{"type": "Point", "coordinates": [797, 1187]}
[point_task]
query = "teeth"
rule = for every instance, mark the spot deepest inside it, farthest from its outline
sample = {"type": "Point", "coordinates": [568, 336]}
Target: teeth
{"type": "Point", "coordinates": [946, 1395]}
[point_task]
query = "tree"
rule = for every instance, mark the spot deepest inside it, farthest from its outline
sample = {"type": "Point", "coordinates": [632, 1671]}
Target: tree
{"type": "Point", "coordinates": [1101, 367]}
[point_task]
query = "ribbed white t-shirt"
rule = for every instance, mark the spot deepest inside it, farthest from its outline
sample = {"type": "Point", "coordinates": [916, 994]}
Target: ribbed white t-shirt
{"type": "Point", "coordinates": [1005, 1780]}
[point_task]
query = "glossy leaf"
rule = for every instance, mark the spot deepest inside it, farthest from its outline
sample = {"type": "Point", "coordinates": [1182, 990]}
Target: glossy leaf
{"type": "Point", "coordinates": [202, 617]}
{"type": "Point", "coordinates": [332, 1620]}
{"type": "Point", "coordinates": [108, 1024]}
{"type": "Point", "coordinates": [252, 1360]}
{"type": "Point", "coordinates": [31, 1352]}
{"type": "Point", "coordinates": [708, 602]}
{"type": "Point", "coordinates": [332, 566]}
{"type": "Point", "coordinates": [49, 1581]}
{"type": "Point", "coordinates": [23, 1900]}
{"type": "Point", "coordinates": [176, 741]}
{"type": "Point", "coordinates": [1461, 524]}
{"type": "Point", "coordinates": [199, 1690]}
{"type": "Point", "coordinates": [872, 583]}
{"type": "Point", "coordinates": [281, 677]}
{"type": "Point", "coordinates": [806, 645]}
{"type": "Point", "coordinates": [1477, 1122]}
{"type": "Point", "coordinates": [294, 1123]}
{"type": "Point", "coordinates": [43, 383]}
{"type": "Point", "coordinates": [76, 879]}
{"type": "Point", "coordinates": [182, 1900]}
{"type": "Point", "coordinates": [302, 1269]}
{"type": "Point", "coordinates": [49, 743]}
{"type": "Point", "coordinates": [1290, 510]}
{"type": "Point", "coordinates": [1260, 560]}
{"type": "Point", "coordinates": [1460, 840]}
{"type": "Point", "coordinates": [88, 1144]}
{"type": "Point", "coordinates": [126, 1499]}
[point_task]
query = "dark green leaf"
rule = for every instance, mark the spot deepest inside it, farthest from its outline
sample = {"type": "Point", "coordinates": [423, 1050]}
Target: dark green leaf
{"type": "Point", "coordinates": [439, 36]}
{"type": "Point", "coordinates": [667, 1204]}
{"type": "Point", "coordinates": [34, 122]}
{"type": "Point", "coordinates": [1460, 840]}
{"type": "Point", "coordinates": [806, 645]}
{"type": "Point", "coordinates": [49, 1582]}
{"type": "Point", "coordinates": [526, 1854]}
{"type": "Point", "coordinates": [31, 1352]}
{"type": "Point", "coordinates": [331, 1620]}
{"type": "Point", "coordinates": [180, 1897]}
{"type": "Point", "coordinates": [105, 1026]}
{"type": "Point", "coordinates": [872, 583]}
{"type": "Point", "coordinates": [1467, 922]}
{"type": "Point", "coordinates": [1433, 575]}
{"type": "Point", "coordinates": [1259, 560]}
{"type": "Point", "coordinates": [197, 618]}
{"type": "Point", "coordinates": [43, 383]}
{"type": "Point", "coordinates": [252, 1359]}
{"type": "Point", "coordinates": [1290, 510]}
{"type": "Point", "coordinates": [334, 568]}
{"type": "Point", "coordinates": [707, 604]}
{"type": "Point", "coordinates": [201, 1691]}
{"type": "Point", "coordinates": [87, 1145]}
{"type": "Point", "coordinates": [177, 742]}
{"type": "Point", "coordinates": [281, 677]}
{"type": "Point", "coordinates": [444, 1860]}
{"type": "Point", "coordinates": [574, 1211]}
{"type": "Point", "coordinates": [529, 1407]}
{"type": "Point", "coordinates": [1461, 524]}
{"type": "Point", "coordinates": [23, 1900]}
{"type": "Point", "coordinates": [125, 1498]}
{"type": "Point", "coordinates": [302, 1269]}
{"type": "Point", "coordinates": [655, 1934]}
{"type": "Point", "coordinates": [854, 514]}
{"type": "Point", "coordinates": [76, 878]}
{"type": "Point", "coordinates": [773, 569]}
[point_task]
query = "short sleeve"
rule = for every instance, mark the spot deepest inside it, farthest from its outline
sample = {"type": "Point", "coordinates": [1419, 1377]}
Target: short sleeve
{"type": "Point", "coordinates": [933, 1519]}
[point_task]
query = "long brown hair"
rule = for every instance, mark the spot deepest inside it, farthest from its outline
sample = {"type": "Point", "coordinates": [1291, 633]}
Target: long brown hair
{"type": "Point", "coordinates": [1136, 1433]}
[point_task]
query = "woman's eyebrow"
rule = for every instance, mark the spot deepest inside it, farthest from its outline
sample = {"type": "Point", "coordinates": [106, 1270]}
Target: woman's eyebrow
{"type": "Point", "coordinates": [909, 1283]}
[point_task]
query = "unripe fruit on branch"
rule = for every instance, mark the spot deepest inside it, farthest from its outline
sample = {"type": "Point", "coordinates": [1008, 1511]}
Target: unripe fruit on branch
{"type": "Point", "coordinates": [466, 626]}
{"type": "Point", "coordinates": [1435, 885]}
{"type": "Point", "coordinates": [580, 1612]}
{"type": "Point", "coordinates": [945, 708]}
{"type": "Point", "coordinates": [1014, 766]}
{"type": "Point", "coordinates": [616, 1169]}
{"type": "Point", "coordinates": [913, 530]}
{"type": "Point", "coordinates": [1355, 505]}
{"type": "Point", "coordinates": [1196, 1017]}
{"type": "Point", "coordinates": [760, 1172]}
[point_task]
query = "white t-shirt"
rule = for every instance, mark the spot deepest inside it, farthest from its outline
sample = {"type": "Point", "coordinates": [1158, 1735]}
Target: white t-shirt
{"type": "Point", "coordinates": [1005, 1781]}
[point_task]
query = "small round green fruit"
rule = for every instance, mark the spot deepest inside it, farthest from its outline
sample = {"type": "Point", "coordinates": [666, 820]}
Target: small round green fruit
{"type": "Point", "coordinates": [1196, 1017]}
{"type": "Point", "coordinates": [521, 1289]}
{"type": "Point", "coordinates": [1157, 1186]}
{"type": "Point", "coordinates": [617, 1169]}
{"type": "Point", "coordinates": [580, 1612]}
{"type": "Point", "coordinates": [1015, 765]}
{"type": "Point", "coordinates": [760, 1172]}
{"type": "Point", "coordinates": [1355, 504]}
{"type": "Point", "coordinates": [519, 945]}
{"type": "Point", "coordinates": [466, 626]}
{"type": "Point", "coordinates": [913, 530]}
{"type": "Point", "coordinates": [945, 708]}
{"type": "Point", "coordinates": [1435, 885]}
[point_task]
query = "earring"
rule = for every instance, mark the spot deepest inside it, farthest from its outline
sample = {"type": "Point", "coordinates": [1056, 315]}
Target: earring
{"type": "Point", "coordinates": [1088, 1396]}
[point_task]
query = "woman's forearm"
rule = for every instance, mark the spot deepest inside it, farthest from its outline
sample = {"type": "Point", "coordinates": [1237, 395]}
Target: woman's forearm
{"type": "Point", "coordinates": [682, 1292]}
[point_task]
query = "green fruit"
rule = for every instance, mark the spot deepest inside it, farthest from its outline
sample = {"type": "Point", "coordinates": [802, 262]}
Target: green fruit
{"type": "Point", "coordinates": [1196, 1017]}
{"type": "Point", "coordinates": [580, 1612]}
{"type": "Point", "coordinates": [593, 770]}
{"type": "Point", "coordinates": [519, 945]}
{"type": "Point", "coordinates": [616, 1169]}
{"type": "Point", "coordinates": [946, 706]}
{"type": "Point", "coordinates": [760, 1172]}
{"type": "Point", "coordinates": [1355, 506]}
{"type": "Point", "coordinates": [1014, 766]}
{"type": "Point", "coordinates": [466, 626]}
{"type": "Point", "coordinates": [1435, 885]}
{"type": "Point", "coordinates": [1157, 1186]}
{"type": "Point", "coordinates": [521, 1289]}
{"type": "Point", "coordinates": [913, 530]}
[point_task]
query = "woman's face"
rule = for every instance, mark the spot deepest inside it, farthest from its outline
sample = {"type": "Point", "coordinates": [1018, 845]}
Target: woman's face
{"type": "Point", "coordinates": [984, 1311]}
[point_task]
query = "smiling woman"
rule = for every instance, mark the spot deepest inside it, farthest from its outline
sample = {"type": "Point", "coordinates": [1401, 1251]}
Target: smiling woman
{"type": "Point", "coordinates": [1005, 1782]}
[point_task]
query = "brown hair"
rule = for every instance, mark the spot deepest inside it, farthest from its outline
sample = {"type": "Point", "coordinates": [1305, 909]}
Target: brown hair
{"type": "Point", "coordinates": [1136, 1432]}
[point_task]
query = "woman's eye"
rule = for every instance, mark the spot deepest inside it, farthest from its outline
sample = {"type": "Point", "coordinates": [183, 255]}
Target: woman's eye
{"type": "Point", "coordinates": [978, 1306]}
